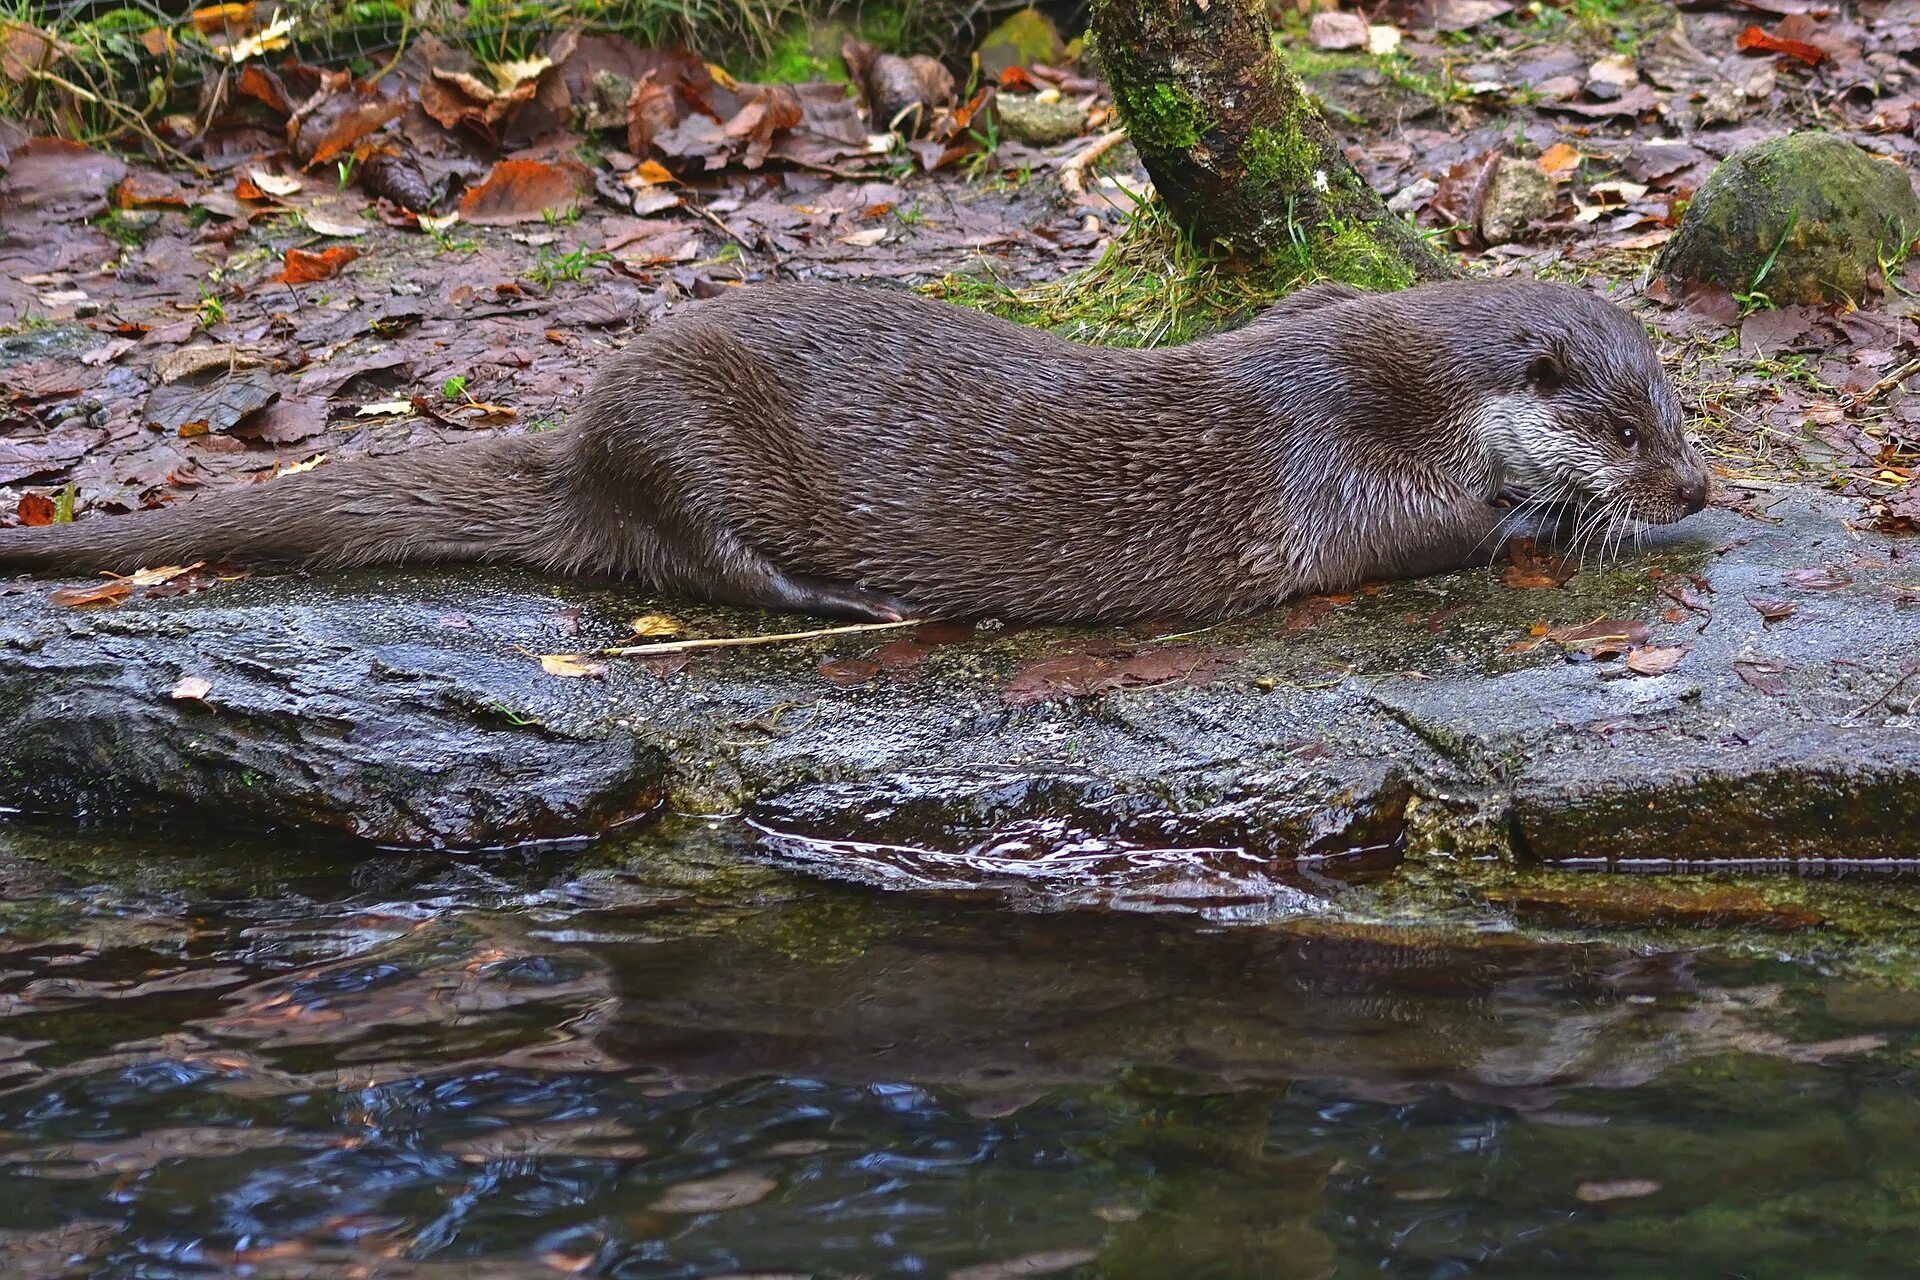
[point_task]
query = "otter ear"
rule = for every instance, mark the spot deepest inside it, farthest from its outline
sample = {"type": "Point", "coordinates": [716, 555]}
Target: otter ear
{"type": "Point", "coordinates": [1546, 373]}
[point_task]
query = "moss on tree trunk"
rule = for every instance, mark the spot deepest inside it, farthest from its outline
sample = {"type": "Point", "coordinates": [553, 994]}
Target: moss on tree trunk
{"type": "Point", "coordinates": [1238, 151]}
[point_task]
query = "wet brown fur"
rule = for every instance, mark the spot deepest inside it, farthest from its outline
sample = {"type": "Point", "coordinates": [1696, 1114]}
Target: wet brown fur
{"type": "Point", "coordinates": [853, 451]}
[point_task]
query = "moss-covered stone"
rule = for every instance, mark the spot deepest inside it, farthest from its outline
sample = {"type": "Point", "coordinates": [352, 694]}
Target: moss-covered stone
{"type": "Point", "coordinates": [1023, 38]}
{"type": "Point", "coordinates": [1804, 218]}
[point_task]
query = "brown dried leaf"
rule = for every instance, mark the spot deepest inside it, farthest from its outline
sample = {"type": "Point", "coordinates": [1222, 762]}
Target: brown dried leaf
{"type": "Point", "coordinates": [1768, 677]}
{"type": "Point", "coordinates": [524, 190]}
{"type": "Point", "coordinates": [35, 509]}
{"type": "Point", "coordinates": [1828, 578]}
{"type": "Point", "coordinates": [1602, 638]}
{"type": "Point", "coordinates": [110, 592]}
{"type": "Point", "coordinates": [1655, 660]}
{"type": "Point", "coordinates": [848, 672]}
{"type": "Point", "coordinates": [1532, 569]}
{"type": "Point", "coordinates": [303, 266]}
{"type": "Point", "coordinates": [1772, 611]}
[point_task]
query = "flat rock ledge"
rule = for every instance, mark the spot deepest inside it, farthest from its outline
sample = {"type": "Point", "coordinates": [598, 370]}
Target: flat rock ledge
{"type": "Point", "coordinates": [405, 709]}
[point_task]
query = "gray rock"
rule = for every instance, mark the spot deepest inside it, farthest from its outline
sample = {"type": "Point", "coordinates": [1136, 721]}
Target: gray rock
{"type": "Point", "coordinates": [1025, 118]}
{"type": "Point", "coordinates": [404, 708]}
{"type": "Point", "coordinates": [1518, 194]}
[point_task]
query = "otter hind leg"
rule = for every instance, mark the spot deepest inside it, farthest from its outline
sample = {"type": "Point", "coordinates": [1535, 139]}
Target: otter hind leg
{"type": "Point", "coordinates": [805, 594]}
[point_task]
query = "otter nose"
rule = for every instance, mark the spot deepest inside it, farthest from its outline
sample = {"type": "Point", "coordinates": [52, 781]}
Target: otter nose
{"type": "Point", "coordinates": [1693, 491]}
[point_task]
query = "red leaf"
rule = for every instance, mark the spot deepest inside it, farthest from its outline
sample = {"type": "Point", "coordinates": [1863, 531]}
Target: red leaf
{"type": "Point", "coordinates": [35, 509]}
{"type": "Point", "coordinates": [1754, 38]}
{"type": "Point", "coordinates": [306, 267]}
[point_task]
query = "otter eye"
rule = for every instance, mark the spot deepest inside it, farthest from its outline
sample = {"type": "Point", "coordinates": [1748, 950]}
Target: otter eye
{"type": "Point", "coordinates": [1629, 438]}
{"type": "Point", "coordinates": [1545, 374]}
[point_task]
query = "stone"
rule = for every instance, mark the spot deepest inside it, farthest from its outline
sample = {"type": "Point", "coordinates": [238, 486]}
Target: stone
{"type": "Point", "coordinates": [1026, 118]}
{"type": "Point", "coordinates": [407, 708]}
{"type": "Point", "coordinates": [1802, 219]}
{"type": "Point", "coordinates": [1518, 194]}
{"type": "Point", "coordinates": [1023, 38]}
{"type": "Point", "coordinates": [606, 108]}
{"type": "Point", "coordinates": [1331, 29]}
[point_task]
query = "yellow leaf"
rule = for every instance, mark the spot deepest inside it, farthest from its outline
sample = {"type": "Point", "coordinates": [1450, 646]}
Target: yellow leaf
{"type": "Point", "coordinates": [652, 173]}
{"type": "Point", "coordinates": [154, 577]}
{"type": "Point", "coordinates": [656, 626]}
{"type": "Point", "coordinates": [384, 409]}
{"type": "Point", "coordinates": [511, 75]}
{"type": "Point", "coordinates": [274, 37]}
{"type": "Point", "coordinates": [573, 666]}
{"type": "Point", "coordinates": [295, 468]}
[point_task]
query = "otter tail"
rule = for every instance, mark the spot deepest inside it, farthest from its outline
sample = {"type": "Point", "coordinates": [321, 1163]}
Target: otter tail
{"type": "Point", "coordinates": [483, 500]}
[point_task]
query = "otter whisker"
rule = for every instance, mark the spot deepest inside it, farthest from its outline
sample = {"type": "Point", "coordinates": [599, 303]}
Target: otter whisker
{"type": "Point", "coordinates": [1528, 506]}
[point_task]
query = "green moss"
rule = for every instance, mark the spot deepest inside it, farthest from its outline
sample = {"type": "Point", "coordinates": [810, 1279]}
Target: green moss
{"type": "Point", "coordinates": [1278, 158]}
{"type": "Point", "coordinates": [1152, 287]}
{"type": "Point", "coordinates": [1162, 117]}
{"type": "Point", "coordinates": [1308, 62]}
{"type": "Point", "coordinates": [1352, 253]}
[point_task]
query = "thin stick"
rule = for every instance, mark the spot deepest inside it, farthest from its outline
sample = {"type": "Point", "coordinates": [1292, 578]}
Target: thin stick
{"type": "Point", "coordinates": [1073, 174]}
{"type": "Point", "coordinates": [741, 642]}
{"type": "Point", "coordinates": [1883, 386]}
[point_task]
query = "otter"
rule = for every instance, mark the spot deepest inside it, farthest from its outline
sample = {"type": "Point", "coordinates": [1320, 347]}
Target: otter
{"type": "Point", "coordinates": [856, 452]}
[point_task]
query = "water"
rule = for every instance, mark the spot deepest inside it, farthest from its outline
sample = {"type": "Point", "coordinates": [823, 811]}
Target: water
{"type": "Point", "coordinates": [663, 1059]}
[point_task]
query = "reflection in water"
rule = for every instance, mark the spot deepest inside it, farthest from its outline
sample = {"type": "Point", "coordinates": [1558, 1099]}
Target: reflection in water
{"type": "Point", "coordinates": [663, 1060]}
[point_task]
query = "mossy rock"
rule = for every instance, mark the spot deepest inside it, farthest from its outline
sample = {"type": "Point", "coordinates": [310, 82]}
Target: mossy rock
{"type": "Point", "coordinates": [1830, 210]}
{"type": "Point", "coordinates": [1024, 38]}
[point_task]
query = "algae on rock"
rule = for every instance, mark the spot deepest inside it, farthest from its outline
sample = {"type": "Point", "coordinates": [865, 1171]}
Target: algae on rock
{"type": "Point", "coordinates": [1809, 217]}
{"type": "Point", "coordinates": [1237, 149]}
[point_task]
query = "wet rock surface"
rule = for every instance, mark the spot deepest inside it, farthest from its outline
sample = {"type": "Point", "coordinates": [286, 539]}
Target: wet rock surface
{"type": "Point", "coordinates": [1425, 718]}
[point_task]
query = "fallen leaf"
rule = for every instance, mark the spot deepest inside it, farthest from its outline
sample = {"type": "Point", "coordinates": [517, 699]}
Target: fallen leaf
{"type": "Point", "coordinates": [716, 1195]}
{"type": "Point", "coordinates": [1768, 677]}
{"type": "Point", "coordinates": [306, 267]}
{"type": "Point", "coordinates": [1618, 1189]}
{"type": "Point", "coordinates": [1655, 660]}
{"type": "Point", "coordinates": [158, 574]}
{"type": "Point", "coordinates": [1754, 38]}
{"type": "Point", "coordinates": [1603, 638]}
{"type": "Point", "coordinates": [1559, 160]}
{"type": "Point", "coordinates": [110, 592]}
{"type": "Point", "coordinates": [274, 184]}
{"type": "Point", "coordinates": [327, 224]}
{"type": "Point", "coordinates": [1826, 579]}
{"type": "Point", "coordinates": [1530, 568]}
{"type": "Point", "coordinates": [524, 191]}
{"type": "Point", "coordinates": [1772, 611]}
{"type": "Point", "coordinates": [848, 672]}
{"type": "Point", "coordinates": [36, 509]}
{"type": "Point", "coordinates": [655, 626]}
{"type": "Point", "coordinates": [192, 689]}
{"type": "Point", "coordinates": [572, 666]}
{"type": "Point", "coordinates": [195, 410]}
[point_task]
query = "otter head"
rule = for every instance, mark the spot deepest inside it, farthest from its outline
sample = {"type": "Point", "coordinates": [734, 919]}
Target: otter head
{"type": "Point", "coordinates": [1575, 409]}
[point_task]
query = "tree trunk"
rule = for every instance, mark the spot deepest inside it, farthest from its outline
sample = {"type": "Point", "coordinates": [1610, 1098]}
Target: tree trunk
{"type": "Point", "coordinates": [1239, 153]}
